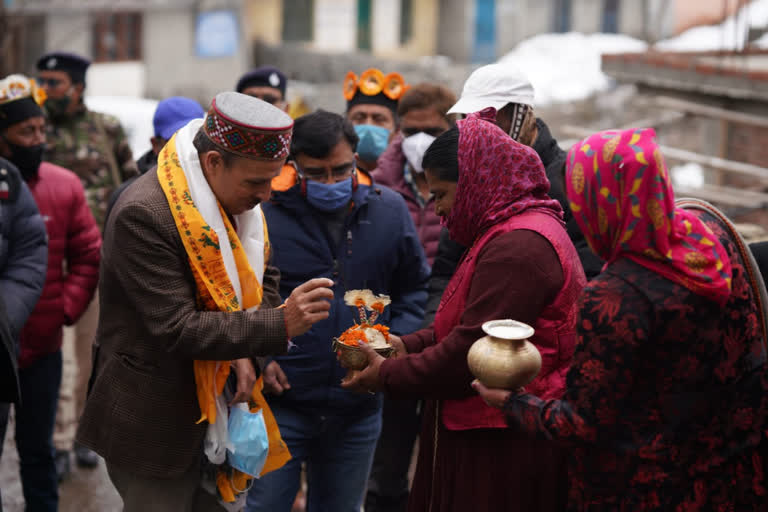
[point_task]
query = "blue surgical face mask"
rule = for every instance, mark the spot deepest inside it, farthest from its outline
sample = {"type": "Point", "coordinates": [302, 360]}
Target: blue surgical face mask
{"type": "Point", "coordinates": [373, 141]}
{"type": "Point", "coordinates": [329, 198]}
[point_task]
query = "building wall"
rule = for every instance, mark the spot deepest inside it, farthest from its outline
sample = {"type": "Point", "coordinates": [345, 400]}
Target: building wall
{"type": "Point", "coordinates": [631, 19]}
{"type": "Point", "coordinates": [263, 20]}
{"type": "Point", "coordinates": [177, 70]}
{"type": "Point", "coordinates": [385, 33]}
{"type": "Point", "coordinates": [689, 13]}
{"type": "Point", "coordinates": [456, 29]}
{"type": "Point", "coordinates": [335, 25]}
{"type": "Point", "coordinates": [425, 25]}
{"type": "Point", "coordinates": [69, 32]}
{"type": "Point", "coordinates": [519, 20]}
{"type": "Point", "coordinates": [587, 16]}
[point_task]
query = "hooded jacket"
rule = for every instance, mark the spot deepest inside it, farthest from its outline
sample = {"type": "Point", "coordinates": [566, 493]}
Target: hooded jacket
{"type": "Point", "coordinates": [378, 249]}
{"type": "Point", "coordinates": [390, 174]}
{"type": "Point", "coordinates": [74, 236]}
{"type": "Point", "coordinates": [23, 247]}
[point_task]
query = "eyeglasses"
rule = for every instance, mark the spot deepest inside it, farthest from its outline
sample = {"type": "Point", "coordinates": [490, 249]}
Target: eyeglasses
{"type": "Point", "coordinates": [322, 173]}
{"type": "Point", "coordinates": [372, 82]}
{"type": "Point", "coordinates": [269, 98]}
{"type": "Point", "coordinates": [50, 82]}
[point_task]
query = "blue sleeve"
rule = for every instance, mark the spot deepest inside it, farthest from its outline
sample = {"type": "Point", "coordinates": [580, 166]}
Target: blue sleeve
{"type": "Point", "coordinates": [22, 279]}
{"type": "Point", "coordinates": [409, 282]}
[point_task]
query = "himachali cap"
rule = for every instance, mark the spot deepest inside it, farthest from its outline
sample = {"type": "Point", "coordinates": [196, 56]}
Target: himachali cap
{"type": "Point", "coordinates": [248, 127]}
{"type": "Point", "coordinates": [71, 63]}
{"type": "Point", "coordinates": [494, 85]}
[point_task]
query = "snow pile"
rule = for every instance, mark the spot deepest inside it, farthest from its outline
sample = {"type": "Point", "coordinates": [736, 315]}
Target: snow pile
{"type": "Point", "coordinates": [567, 67]}
{"type": "Point", "coordinates": [135, 114]}
{"type": "Point", "coordinates": [688, 175]}
{"type": "Point", "coordinates": [729, 35]}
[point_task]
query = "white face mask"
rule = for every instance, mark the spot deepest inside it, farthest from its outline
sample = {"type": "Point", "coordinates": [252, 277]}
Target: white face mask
{"type": "Point", "coordinates": [414, 148]}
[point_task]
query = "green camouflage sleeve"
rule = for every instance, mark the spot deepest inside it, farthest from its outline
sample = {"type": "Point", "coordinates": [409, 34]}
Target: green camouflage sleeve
{"type": "Point", "coordinates": [123, 153]}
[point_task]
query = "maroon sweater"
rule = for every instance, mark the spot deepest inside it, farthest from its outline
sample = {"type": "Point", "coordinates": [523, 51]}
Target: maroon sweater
{"type": "Point", "coordinates": [390, 174]}
{"type": "Point", "coordinates": [517, 275]}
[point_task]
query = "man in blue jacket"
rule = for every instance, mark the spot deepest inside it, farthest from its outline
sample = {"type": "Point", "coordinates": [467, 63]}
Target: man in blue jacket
{"type": "Point", "coordinates": [23, 265]}
{"type": "Point", "coordinates": [328, 219]}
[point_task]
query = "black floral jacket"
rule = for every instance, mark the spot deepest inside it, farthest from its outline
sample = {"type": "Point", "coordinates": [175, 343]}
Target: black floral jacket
{"type": "Point", "coordinates": [666, 404]}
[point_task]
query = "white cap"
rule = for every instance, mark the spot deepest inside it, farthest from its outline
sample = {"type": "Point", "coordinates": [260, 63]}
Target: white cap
{"type": "Point", "coordinates": [494, 85]}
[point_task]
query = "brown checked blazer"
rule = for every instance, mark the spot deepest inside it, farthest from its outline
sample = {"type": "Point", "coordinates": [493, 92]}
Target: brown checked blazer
{"type": "Point", "coordinates": [142, 409]}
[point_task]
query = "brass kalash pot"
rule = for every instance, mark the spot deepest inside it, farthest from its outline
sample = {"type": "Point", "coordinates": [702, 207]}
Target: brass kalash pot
{"type": "Point", "coordinates": [505, 358]}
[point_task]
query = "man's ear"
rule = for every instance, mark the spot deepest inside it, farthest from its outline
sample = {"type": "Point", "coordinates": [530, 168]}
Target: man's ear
{"type": "Point", "coordinates": [212, 162]}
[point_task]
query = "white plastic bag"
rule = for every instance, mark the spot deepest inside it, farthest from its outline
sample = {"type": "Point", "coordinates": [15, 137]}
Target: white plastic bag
{"type": "Point", "coordinates": [217, 435]}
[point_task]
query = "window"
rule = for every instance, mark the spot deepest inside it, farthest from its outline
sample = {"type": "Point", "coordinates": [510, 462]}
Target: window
{"type": "Point", "coordinates": [364, 25]}
{"type": "Point", "coordinates": [611, 16]}
{"type": "Point", "coordinates": [562, 17]}
{"type": "Point", "coordinates": [298, 20]}
{"type": "Point", "coordinates": [116, 36]}
{"type": "Point", "coordinates": [406, 21]}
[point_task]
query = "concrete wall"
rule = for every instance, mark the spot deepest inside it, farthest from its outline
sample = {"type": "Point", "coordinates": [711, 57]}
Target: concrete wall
{"type": "Point", "coordinates": [174, 69]}
{"type": "Point", "coordinates": [263, 20]}
{"type": "Point", "coordinates": [68, 31]}
{"type": "Point", "coordinates": [335, 25]}
{"type": "Point", "coordinates": [689, 13]}
{"type": "Point", "coordinates": [456, 29]}
{"type": "Point", "coordinates": [385, 21]}
{"type": "Point", "coordinates": [518, 20]}
{"type": "Point", "coordinates": [425, 25]}
{"type": "Point", "coordinates": [587, 15]}
{"type": "Point", "coordinates": [631, 18]}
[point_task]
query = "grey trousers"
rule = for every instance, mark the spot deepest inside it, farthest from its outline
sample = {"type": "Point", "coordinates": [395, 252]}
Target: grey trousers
{"type": "Point", "coordinates": [182, 494]}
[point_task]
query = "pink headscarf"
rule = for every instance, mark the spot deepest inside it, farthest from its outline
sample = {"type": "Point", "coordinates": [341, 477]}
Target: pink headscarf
{"type": "Point", "coordinates": [498, 178]}
{"type": "Point", "coordinates": [622, 199]}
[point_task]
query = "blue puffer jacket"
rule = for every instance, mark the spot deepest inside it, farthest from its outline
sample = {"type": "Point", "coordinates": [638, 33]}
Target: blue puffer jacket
{"type": "Point", "coordinates": [378, 249]}
{"type": "Point", "coordinates": [23, 247]}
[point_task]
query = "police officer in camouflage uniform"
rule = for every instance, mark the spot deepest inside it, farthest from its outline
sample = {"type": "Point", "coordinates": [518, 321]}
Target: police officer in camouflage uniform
{"type": "Point", "coordinates": [93, 146]}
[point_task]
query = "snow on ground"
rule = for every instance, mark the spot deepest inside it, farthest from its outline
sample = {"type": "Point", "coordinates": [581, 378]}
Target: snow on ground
{"type": "Point", "coordinates": [687, 175]}
{"type": "Point", "coordinates": [566, 67]}
{"type": "Point", "coordinates": [135, 114]}
{"type": "Point", "coordinates": [729, 35]}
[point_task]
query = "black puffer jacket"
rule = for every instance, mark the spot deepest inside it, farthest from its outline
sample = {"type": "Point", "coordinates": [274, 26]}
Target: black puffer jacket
{"type": "Point", "coordinates": [23, 247]}
{"type": "Point", "coordinates": [449, 252]}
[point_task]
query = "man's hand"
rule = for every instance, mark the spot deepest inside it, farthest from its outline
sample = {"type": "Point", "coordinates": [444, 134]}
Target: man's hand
{"type": "Point", "coordinates": [398, 345]}
{"type": "Point", "coordinates": [367, 380]}
{"type": "Point", "coordinates": [246, 379]}
{"type": "Point", "coordinates": [275, 381]}
{"type": "Point", "coordinates": [307, 304]}
{"type": "Point", "coordinates": [493, 397]}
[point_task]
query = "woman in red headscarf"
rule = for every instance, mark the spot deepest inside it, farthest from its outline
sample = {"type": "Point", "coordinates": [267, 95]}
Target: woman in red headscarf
{"type": "Point", "coordinates": [492, 194]}
{"type": "Point", "coordinates": [667, 397]}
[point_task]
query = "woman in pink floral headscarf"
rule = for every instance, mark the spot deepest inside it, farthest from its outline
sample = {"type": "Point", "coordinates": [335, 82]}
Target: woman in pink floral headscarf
{"type": "Point", "coordinates": [492, 194]}
{"type": "Point", "coordinates": [667, 398]}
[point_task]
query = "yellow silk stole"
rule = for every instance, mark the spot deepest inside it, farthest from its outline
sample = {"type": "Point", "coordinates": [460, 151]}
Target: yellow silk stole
{"type": "Point", "coordinates": [216, 293]}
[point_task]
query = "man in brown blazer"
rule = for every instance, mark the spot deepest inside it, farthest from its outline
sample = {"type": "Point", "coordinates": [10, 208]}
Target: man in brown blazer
{"type": "Point", "coordinates": [142, 409]}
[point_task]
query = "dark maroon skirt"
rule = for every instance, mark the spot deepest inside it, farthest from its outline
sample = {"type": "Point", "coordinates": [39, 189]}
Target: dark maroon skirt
{"type": "Point", "coordinates": [488, 470]}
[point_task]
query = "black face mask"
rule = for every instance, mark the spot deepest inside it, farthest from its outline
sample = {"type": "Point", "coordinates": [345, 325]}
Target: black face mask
{"type": "Point", "coordinates": [26, 158]}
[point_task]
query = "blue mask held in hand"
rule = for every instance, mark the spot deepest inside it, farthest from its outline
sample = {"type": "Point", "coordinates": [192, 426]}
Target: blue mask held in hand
{"type": "Point", "coordinates": [329, 198]}
{"type": "Point", "coordinates": [248, 436]}
{"type": "Point", "coordinates": [373, 141]}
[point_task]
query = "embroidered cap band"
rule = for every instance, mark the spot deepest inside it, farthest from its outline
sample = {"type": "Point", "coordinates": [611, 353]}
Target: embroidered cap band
{"type": "Point", "coordinates": [248, 127]}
